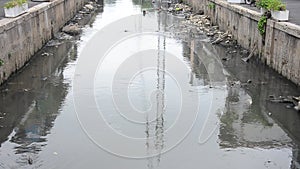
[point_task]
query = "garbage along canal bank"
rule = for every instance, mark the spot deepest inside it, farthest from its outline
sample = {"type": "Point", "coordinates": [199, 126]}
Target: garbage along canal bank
{"type": "Point", "coordinates": [161, 96]}
{"type": "Point", "coordinates": [277, 47]}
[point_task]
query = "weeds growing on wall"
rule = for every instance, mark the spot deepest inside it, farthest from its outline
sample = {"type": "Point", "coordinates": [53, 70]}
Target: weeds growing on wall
{"type": "Point", "coordinates": [262, 25]}
{"type": "Point", "coordinates": [1, 62]}
{"type": "Point", "coordinates": [211, 5]}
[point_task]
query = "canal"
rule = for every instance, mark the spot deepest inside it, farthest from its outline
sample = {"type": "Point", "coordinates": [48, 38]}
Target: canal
{"type": "Point", "coordinates": [142, 90]}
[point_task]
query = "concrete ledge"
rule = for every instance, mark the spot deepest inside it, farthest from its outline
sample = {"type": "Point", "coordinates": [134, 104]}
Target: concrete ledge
{"type": "Point", "coordinates": [22, 36]}
{"type": "Point", "coordinates": [8, 23]}
{"type": "Point", "coordinates": [287, 27]}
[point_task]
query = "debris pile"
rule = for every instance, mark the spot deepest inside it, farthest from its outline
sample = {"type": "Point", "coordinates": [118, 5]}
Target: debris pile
{"type": "Point", "coordinates": [293, 101]}
{"type": "Point", "coordinates": [180, 8]}
{"type": "Point", "coordinates": [196, 23]}
{"type": "Point", "coordinates": [73, 28]}
{"type": "Point", "coordinates": [203, 25]}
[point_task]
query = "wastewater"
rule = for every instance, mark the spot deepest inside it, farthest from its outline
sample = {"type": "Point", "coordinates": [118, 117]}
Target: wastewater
{"type": "Point", "coordinates": [137, 90]}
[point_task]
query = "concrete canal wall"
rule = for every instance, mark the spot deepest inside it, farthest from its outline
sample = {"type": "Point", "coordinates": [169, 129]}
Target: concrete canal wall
{"type": "Point", "coordinates": [281, 47]}
{"type": "Point", "coordinates": [22, 37]}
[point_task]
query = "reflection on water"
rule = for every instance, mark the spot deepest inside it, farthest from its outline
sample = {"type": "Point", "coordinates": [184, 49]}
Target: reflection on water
{"type": "Point", "coordinates": [32, 100]}
{"type": "Point", "coordinates": [158, 143]}
{"type": "Point", "coordinates": [199, 75]}
{"type": "Point", "coordinates": [253, 121]}
{"type": "Point", "coordinates": [244, 124]}
{"type": "Point", "coordinates": [38, 123]}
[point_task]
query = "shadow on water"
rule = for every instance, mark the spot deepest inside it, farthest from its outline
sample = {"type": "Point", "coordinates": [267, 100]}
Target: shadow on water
{"type": "Point", "coordinates": [31, 100]}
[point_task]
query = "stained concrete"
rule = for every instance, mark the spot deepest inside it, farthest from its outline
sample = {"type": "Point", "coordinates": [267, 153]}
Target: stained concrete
{"type": "Point", "coordinates": [23, 36]}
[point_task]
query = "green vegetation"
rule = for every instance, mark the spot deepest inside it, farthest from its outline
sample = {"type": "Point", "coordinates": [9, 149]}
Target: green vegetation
{"type": "Point", "coordinates": [276, 5]}
{"type": "Point", "coordinates": [262, 25]}
{"type": "Point", "coordinates": [262, 3]}
{"type": "Point", "coordinates": [270, 5]}
{"type": "Point", "coordinates": [1, 62]}
{"type": "Point", "coordinates": [13, 3]}
{"type": "Point", "coordinates": [211, 5]}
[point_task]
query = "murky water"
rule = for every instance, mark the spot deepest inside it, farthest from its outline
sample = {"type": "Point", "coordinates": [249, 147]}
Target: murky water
{"type": "Point", "coordinates": [136, 92]}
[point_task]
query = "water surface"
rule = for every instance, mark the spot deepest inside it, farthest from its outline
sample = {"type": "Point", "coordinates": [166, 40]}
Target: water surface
{"type": "Point", "coordinates": [160, 98]}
